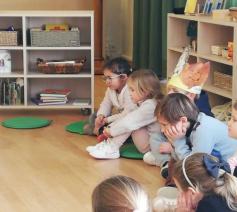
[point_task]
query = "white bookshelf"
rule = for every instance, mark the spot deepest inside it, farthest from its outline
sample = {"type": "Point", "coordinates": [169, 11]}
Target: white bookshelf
{"type": "Point", "coordinates": [209, 32]}
{"type": "Point", "coordinates": [24, 56]}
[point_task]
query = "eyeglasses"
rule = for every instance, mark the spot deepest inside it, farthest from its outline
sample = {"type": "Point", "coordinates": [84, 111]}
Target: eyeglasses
{"type": "Point", "coordinates": [105, 78]}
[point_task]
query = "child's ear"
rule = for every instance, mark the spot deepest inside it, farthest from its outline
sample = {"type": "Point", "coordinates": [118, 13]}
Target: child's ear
{"type": "Point", "coordinates": [191, 96]}
{"type": "Point", "coordinates": [183, 119]}
{"type": "Point", "coordinates": [192, 190]}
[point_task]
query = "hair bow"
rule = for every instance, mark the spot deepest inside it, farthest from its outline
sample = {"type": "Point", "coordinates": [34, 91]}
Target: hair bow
{"type": "Point", "coordinates": [213, 167]}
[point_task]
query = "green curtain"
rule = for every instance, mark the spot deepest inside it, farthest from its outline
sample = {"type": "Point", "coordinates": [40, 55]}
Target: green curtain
{"type": "Point", "coordinates": [231, 3]}
{"type": "Point", "coordinates": [150, 33]}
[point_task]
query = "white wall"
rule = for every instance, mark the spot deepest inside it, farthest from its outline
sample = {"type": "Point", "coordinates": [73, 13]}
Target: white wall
{"type": "Point", "coordinates": [117, 28]}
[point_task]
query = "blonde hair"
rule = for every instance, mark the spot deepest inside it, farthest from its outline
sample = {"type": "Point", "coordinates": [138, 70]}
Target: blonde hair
{"type": "Point", "coordinates": [224, 186]}
{"type": "Point", "coordinates": [176, 105]}
{"type": "Point", "coordinates": [119, 194]}
{"type": "Point", "coordinates": [146, 83]}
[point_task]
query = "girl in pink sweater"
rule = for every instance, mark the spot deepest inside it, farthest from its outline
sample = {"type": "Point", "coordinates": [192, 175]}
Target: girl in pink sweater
{"type": "Point", "coordinates": [145, 92]}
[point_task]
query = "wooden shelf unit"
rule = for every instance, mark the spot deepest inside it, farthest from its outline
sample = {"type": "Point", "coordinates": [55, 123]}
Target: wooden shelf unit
{"type": "Point", "coordinates": [209, 32]}
{"type": "Point", "coordinates": [24, 56]}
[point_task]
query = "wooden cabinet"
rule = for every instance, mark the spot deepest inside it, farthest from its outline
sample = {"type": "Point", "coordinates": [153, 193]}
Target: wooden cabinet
{"type": "Point", "coordinates": [24, 56]}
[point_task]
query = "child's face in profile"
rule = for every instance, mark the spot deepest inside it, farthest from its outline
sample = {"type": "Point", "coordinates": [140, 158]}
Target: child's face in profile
{"type": "Point", "coordinates": [135, 96]}
{"type": "Point", "coordinates": [173, 131]}
{"type": "Point", "coordinates": [232, 124]}
{"type": "Point", "coordinates": [114, 81]}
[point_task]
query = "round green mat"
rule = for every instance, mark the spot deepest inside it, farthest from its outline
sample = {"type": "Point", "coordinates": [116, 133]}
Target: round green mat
{"type": "Point", "coordinates": [26, 123]}
{"type": "Point", "coordinates": [76, 127]}
{"type": "Point", "coordinates": [130, 151]}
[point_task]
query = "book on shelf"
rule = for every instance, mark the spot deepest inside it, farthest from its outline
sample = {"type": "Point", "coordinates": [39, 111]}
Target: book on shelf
{"type": "Point", "coordinates": [55, 92]}
{"type": "Point", "coordinates": [41, 103]}
{"type": "Point", "coordinates": [54, 100]}
{"type": "Point", "coordinates": [11, 91]}
{"type": "Point", "coordinates": [81, 101]}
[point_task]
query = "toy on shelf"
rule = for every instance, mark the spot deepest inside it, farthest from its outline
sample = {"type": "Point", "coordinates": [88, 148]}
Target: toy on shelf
{"type": "Point", "coordinates": [230, 50]}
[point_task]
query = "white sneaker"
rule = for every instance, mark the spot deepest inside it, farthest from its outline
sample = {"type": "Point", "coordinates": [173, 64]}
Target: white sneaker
{"type": "Point", "coordinates": [166, 199]}
{"type": "Point", "coordinates": [92, 148]}
{"type": "Point", "coordinates": [106, 151]}
{"type": "Point", "coordinates": [150, 159]}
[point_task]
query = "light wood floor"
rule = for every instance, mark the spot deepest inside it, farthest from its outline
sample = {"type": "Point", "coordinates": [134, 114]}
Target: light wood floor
{"type": "Point", "coordinates": [48, 169]}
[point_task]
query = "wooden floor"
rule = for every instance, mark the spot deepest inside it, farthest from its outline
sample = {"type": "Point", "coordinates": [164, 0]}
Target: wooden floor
{"type": "Point", "coordinates": [48, 169]}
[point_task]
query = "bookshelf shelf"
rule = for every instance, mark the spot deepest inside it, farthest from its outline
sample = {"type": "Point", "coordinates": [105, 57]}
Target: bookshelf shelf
{"type": "Point", "coordinates": [24, 57]}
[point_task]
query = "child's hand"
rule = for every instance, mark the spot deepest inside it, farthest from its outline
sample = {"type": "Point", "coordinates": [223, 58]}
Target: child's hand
{"type": "Point", "coordinates": [105, 120]}
{"type": "Point", "coordinates": [106, 132]}
{"type": "Point", "coordinates": [99, 120]}
{"type": "Point", "coordinates": [175, 132]}
{"type": "Point", "coordinates": [185, 202]}
{"type": "Point", "coordinates": [165, 147]}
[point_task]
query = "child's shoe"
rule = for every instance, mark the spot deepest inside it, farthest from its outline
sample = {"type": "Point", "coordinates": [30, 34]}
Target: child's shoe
{"type": "Point", "coordinates": [166, 200]}
{"type": "Point", "coordinates": [97, 146]}
{"type": "Point", "coordinates": [164, 172]}
{"type": "Point", "coordinates": [106, 151]}
{"type": "Point", "coordinates": [150, 159]}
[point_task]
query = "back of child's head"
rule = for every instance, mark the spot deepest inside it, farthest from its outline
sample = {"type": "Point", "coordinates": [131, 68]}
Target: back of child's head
{"type": "Point", "coordinates": [176, 105]}
{"type": "Point", "coordinates": [119, 194]}
{"type": "Point", "coordinates": [208, 175]}
{"type": "Point", "coordinates": [118, 65]}
{"type": "Point", "coordinates": [146, 83]}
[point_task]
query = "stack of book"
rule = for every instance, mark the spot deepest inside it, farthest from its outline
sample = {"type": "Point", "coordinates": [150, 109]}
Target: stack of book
{"type": "Point", "coordinates": [52, 97]}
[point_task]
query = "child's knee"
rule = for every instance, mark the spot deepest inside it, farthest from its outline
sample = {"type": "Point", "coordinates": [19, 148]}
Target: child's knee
{"type": "Point", "coordinates": [143, 148]}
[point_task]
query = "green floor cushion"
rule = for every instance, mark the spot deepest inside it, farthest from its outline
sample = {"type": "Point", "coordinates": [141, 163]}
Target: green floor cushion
{"type": "Point", "coordinates": [26, 123]}
{"type": "Point", "coordinates": [130, 151]}
{"type": "Point", "coordinates": [76, 127]}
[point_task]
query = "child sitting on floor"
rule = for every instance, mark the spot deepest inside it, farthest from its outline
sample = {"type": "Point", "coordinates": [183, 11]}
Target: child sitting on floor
{"type": "Point", "coordinates": [205, 184]}
{"type": "Point", "coordinates": [117, 96]}
{"type": "Point", "coordinates": [120, 193]}
{"type": "Point", "coordinates": [189, 80]}
{"type": "Point", "coordinates": [145, 91]}
{"type": "Point", "coordinates": [191, 131]}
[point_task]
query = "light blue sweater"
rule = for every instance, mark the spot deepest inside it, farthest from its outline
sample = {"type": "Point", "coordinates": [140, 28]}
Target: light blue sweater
{"type": "Point", "coordinates": [210, 135]}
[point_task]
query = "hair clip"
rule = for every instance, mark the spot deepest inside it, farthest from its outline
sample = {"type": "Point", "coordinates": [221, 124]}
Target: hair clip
{"type": "Point", "coordinates": [215, 168]}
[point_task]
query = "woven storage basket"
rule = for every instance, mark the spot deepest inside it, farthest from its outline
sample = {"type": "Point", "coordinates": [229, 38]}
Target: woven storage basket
{"type": "Point", "coordinates": [8, 38]}
{"type": "Point", "coordinates": [55, 38]}
{"type": "Point", "coordinates": [222, 80]}
{"type": "Point", "coordinates": [75, 68]}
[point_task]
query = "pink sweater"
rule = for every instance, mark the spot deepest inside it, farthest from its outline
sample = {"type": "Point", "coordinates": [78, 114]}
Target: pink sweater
{"type": "Point", "coordinates": [142, 116]}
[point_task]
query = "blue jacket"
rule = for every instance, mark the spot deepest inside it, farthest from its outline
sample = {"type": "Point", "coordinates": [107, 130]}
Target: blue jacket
{"type": "Point", "coordinates": [210, 136]}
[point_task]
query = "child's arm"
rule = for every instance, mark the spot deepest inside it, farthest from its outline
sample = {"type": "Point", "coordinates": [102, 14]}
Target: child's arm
{"type": "Point", "coordinates": [140, 117]}
{"type": "Point", "coordinates": [106, 105]}
{"type": "Point", "coordinates": [128, 106]}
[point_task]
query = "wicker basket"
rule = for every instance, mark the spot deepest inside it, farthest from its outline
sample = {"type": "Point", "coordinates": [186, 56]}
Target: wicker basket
{"type": "Point", "coordinates": [62, 68]}
{"type": "Point", "coordinates": [8, 38]}
{"type": "Point", "coordinates": [55, 38]}
{"type": "Point", "coordinates": [222, 80]}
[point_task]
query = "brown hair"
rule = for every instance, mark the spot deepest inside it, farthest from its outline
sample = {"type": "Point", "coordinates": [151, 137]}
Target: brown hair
{"type": "Point", "coordinates": [146, 83]}
{"type": "Point", "coordinates": [235, 105]}
{"type": "Point", "coordinates": [176, 105]}
{"type": "Point", "coordinates": [225, 185]}
{"type": "Point", "coordinates": [119, 194]}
